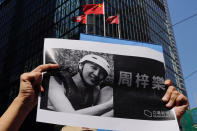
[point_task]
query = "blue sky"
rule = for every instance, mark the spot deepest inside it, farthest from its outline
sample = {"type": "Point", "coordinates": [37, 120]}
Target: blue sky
{"type": "Point", "coordinates": [186, 40]}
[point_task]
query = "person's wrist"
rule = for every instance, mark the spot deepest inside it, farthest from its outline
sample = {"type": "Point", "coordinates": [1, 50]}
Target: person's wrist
{"type": "Point", "coordinates": [24, 103]}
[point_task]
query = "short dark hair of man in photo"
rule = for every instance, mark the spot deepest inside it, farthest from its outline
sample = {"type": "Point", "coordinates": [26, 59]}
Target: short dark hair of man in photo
{"type": "Point", "coordinates": [82, 93]}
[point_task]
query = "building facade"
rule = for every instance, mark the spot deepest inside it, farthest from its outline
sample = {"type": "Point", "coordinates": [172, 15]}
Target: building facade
{"type": "Point", "coordinates": [24, 25]}
{"type": "Point", "coordinates": [140, 20]}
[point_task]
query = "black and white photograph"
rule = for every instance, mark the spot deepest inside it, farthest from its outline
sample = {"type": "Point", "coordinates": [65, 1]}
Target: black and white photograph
{"type": "Point", "coordinates": [99, 85]}
{"type": "Point", "coordinates": [83, 84]}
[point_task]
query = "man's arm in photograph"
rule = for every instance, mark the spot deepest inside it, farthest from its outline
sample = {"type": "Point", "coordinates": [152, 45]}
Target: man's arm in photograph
{"type": "Point", "coordinates": [59, 101]}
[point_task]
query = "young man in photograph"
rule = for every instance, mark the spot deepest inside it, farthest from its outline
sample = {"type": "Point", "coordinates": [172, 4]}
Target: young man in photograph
{"type": "Point", "coordinates": [82, 93]}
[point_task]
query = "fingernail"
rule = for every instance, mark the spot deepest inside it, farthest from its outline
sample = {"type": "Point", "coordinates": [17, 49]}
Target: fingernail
{"type": "Point", "coordinates": [168, 105]}
{"type": "Point", "coordinates": [164, 99]}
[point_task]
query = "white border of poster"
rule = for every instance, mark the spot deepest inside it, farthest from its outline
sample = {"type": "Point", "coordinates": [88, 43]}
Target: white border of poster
{"type": "Point", "coordinates": [98, 122]}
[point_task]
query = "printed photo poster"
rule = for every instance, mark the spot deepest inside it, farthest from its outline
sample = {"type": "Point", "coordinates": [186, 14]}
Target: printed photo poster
{"type": "Point", "coordinates": [104, 86]}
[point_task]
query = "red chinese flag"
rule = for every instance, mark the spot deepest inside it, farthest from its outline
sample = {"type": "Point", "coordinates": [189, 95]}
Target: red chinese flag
{"type": "Point", "coordinates": [79, 19]}
{"type": "Point", "coordinates": [93, 9]}
{"type": "Point", "coordinates": [112, 20]}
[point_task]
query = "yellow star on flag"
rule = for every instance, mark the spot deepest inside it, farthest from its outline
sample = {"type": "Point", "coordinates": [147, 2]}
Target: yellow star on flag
{"type": "Point", "coordinates": [99, 5]}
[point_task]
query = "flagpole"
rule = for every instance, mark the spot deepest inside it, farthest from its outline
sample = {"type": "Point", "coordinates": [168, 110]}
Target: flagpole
{"type": "Point", "coordinates": [86, 24]}
{"type": "Point", "coordinates": [94, 21]}
{"type": "Point", "coordinates": [119, 25]}
{"type": "Point", "coordinates": [104, 17]}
